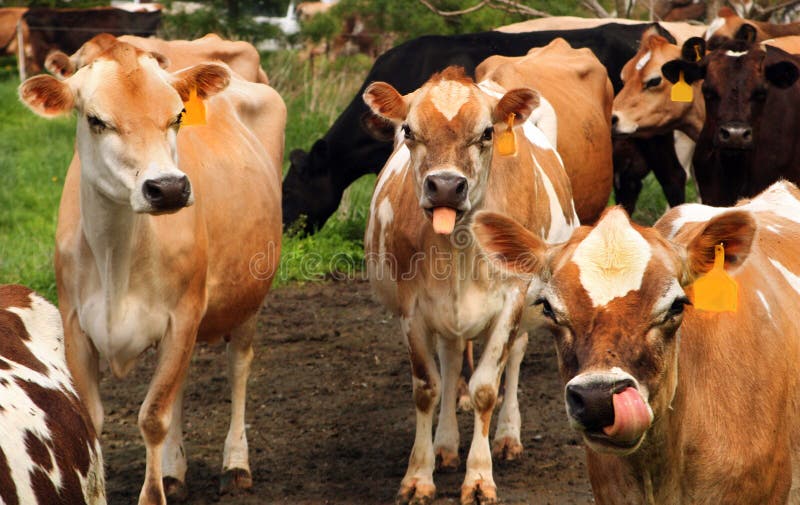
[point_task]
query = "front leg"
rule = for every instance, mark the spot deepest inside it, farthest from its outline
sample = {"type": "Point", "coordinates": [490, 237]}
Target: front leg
{"type": "Point", "coordinates": [83, 362]}
{"type": "Point", "coordinates": [417, 487]}
{"type": "Point", "coordinates": [507, 443]}
{"type": "Point", "coordinates": [479, 486]}
{"type": "Point", "coordinates": [447, 438]}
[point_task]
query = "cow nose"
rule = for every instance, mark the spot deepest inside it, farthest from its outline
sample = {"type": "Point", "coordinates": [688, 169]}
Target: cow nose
{"type": "Point", "coordinates": [446, 190]}
{"type": "Point", "coordinates": [614, 119]}
{"type": "Point", "coordinates": [167, 193]}
{"type": "Point", "coordinates": [592, 405]}
{"type": "Point", "coordinates": [735, 135]}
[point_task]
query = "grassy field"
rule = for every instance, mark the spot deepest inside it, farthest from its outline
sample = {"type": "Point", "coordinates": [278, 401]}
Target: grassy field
{"type": "Point", "coordinates": [36, 152]}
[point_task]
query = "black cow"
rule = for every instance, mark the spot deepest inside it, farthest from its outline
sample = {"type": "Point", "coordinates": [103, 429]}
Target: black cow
{"type": "Point", "coordinates": [749, 139]}
{"type": "Point", "coordinates": [68, 29]}
{"type": "Point", "coordinates": [315, 181]}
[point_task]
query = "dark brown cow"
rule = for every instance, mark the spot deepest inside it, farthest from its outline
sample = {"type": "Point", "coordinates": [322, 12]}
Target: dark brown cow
{"type": "Point", "coordinates": [748, 140]}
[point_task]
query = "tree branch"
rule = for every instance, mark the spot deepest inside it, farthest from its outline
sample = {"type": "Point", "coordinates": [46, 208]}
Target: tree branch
{"type": "Point", "coordinates": [504, 5]}
{"type": "Point", "coordinates": [518, 7]}
{"type": "Point", "coordinates": [764, 14]}
{"type": "Point", "coordinates": [475, 7]}
{"type": "Point", "coordinates": [594, 6]}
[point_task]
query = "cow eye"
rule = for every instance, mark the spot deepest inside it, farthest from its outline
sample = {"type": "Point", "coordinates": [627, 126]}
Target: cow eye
{"type": "Point", "coordinates": [652, 83]}
{"type": "Point", "coordinates": [547, 309]}
{"type": "Point", "coordinates": [176, 123]}
{"type": "Point", "coordinates": [96, 124]}
{"type": "Point", "coordinates": [487, 134]}
{"type": "Point", "coordinates": [407, 132]}
{"type": "Point", "coordinates": [677, 307]}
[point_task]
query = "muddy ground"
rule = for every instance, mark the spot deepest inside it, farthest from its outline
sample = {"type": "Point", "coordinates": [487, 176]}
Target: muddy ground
{"type": "Point", "coordinates": [330, 415]}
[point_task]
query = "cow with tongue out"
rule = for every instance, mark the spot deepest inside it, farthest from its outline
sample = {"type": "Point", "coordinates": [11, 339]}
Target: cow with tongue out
{"type": "Point", "coordinates": [424, 265]}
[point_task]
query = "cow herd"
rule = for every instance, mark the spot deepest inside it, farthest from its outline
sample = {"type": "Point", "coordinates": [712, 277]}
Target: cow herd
{"type": "Point", "coordinates": [495, 147]}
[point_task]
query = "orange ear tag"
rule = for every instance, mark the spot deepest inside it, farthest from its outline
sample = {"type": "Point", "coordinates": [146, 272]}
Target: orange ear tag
{"type": "Point", "coordinates": [716, 291]}
{"type": "Point", "coordinates": [507, 141]}
{"type": "Point", "coordinates": [195, 111]}
{"type": "Point", "coordinates": [697, 55]}
{"type": "Point", "coordinates": [681, 91]}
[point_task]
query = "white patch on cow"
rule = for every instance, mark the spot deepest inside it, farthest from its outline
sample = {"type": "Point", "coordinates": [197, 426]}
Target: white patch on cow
{"type": "Point", "coordinates": [612, 259]}
{"type": "Point", "coordinates": [560, 230]}
{"type": "Point", "coordinates": [385, 217]}
{"type": "Point", "coordinates": [396, 164]}
{"type": "Point", "coordinates": [672, 292]}
{"type": "Point", "coordinates": [773, 229]}
{"type": "Point", "coordinates": [644, 60]}
{"type": "Point", "coordinates": [448, 97]}
{"type": "Point", "coordinates": [684, 149]}
{"type": "Point", "coordinates": [764, 301]}
{"type": "Point", "coordinates": [714, 26]}
{"type": "Point", "coordinates": [542, 118]}
{"type": "Point", "coordinates": [735, 54]}
{"type": "Point", "coordinates": [791, 278]}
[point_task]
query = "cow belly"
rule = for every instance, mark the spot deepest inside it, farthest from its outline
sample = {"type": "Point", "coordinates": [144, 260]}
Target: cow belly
{"type": "Point", "coordinates": [120, 338]}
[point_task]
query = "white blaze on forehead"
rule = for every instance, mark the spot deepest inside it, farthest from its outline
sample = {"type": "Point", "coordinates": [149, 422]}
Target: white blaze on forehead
{"type": "Point", "coordinates": [643, 60]}
{"type": "Point", "coordinates": [612, 259]}
{"type": "Point", "coordinates": [714, 26]}
{"type": "Point", "coordinates": [448, 97]}
{"type": "Point", "coordinates": [735, 54]}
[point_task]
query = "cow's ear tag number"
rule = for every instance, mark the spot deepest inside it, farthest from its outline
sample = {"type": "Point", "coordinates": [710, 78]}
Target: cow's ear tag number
{"type": "Point", "coordinates": [195, 110]}
{"type": "Point", "coordinates": [716, 291]}
{"type": "Point", "coordinates": [506, 141]}
{"type": "Point", "coordinates": [681, 91]}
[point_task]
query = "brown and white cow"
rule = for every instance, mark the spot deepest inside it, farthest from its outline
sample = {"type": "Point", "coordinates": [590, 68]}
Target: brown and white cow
{"type": "Point", "coordinates": [727, 23]}
{"type": "Point", "coordinates": [166, 235]}
{"type": "Point", "coordinates": [240, 56]}
{"type": "Point", "coordinates": [575, 100]}
{"type": "Point", "coordinates": [49, 450]}
{"type": "Point", "coordinates": [676, 405]}
{"type": "Point", "coordinates": [424, 265]}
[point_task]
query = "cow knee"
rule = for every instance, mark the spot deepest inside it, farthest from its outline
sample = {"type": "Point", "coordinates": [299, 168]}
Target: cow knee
{"type": "Point", "coordinates": [153, 426]}
{"type": "Point", "coordinates": [426, 394]}
{"type": "Point", "coordinates": [484, 398]}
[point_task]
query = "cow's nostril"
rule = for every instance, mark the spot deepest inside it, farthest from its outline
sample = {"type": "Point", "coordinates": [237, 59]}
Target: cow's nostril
{"type": "Point", "coordinates": [614, 119]}
{"type": "Point", "coordinates": [724, 134]}
{"type": "Point", "coordinates": [461, 187]}
{"type": "Point", "coordinates": [152, 191]}
{"type": "Point", "coordinates": [430, 185]}
{"type": "Point", "coordinates": [746, 135]}
{"type": "Point", "coordinates": [575, 401]}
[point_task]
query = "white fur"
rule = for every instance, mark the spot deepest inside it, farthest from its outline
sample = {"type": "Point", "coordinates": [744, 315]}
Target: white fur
{"type": "Point", "coordinates": [714, 26]}
{"type": "Point", "coordinates": [791, 278]}
{"type": "Point", "coordinates": [644, 60]}
{"type": "Point", "coordinates": [448, 97]}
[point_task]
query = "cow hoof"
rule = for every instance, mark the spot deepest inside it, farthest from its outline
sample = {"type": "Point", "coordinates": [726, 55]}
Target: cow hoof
{"type": "Point", "coordinates": [479, 493]}
{"type": "Point", "coordinates": [175, 490]}
{"type": "Point", "coordinates": [447, 461]}
{"type": "Point", "coordinates": [415, 493]}
{"type": "Point", "coordinates": [234, 480]}
{"type": "Point", "coordinates": [506, 449]}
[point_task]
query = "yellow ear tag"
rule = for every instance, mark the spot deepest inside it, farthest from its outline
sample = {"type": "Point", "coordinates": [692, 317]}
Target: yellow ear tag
{"type": "Point", "coordinates": [506, 141]}
{"type": "Point", "coordinates": [681, 91]}
{"type": "Point", "coordinates": [697, 55]}
{"type": "Point", "coordinates": [195, 110]}
{"type": "Point", "coordinates": [716, 291]}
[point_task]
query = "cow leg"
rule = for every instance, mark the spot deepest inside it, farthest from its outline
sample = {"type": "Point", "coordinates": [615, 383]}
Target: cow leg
{"type": "Point", "coordinates": [155, 415]}
{"type": "Point", "coordinates": [235, 460]}
{"type": "Point", "coordinates": [83, 362]}
{"type": "Point", "coordinates": [660, 156]}
{"type": "Point", "coordinates": [173, 456]}
{"type": "Point", "coordinates": [417, 487]}
{"type": "Point", "coordinates": [445, 443]}
{"type": "Point", "coordinates": [479, 486]}
{"type": "Point", "coordinates": [507, 443]}
{"type": "Point", "coordinates": [467, 366]}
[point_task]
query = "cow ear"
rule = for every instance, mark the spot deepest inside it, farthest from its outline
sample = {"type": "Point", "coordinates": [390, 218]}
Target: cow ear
{"type": "Point", "coordinates": [377, 127]}
{"type": "Point", "coordinates": [781, 74]}
{"type": "Point", "coordinates": [59, 64]}
{"type": "Point", "coordinates": [386, 102]}
{"type": "Point", "coordinates": [47, 96]}
{"type": "Point", "coordinates": [162, 60]}
{"type": "Point", "coordinates": [521, 102]}
{"type": "Point", "coordinates": [208, 79]}
{"type": "Point", "coordinates": [734, 230]}
{"type": "Point", "coordinates": [692, 72]}
{"type": "Point", "coordinates": [509, 245]}
{"type": "Point", "coordinates": [746, 33]}
{"type": "Point", "coordinates": [694, 49]}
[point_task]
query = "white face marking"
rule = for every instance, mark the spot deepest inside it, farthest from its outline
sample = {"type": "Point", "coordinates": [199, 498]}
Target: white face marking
{"type": "Point", "coordinates": [665, 301]}
{"type": "Point", "coordinates": [612, 259]}
{"type": "Point", "coordinates": [644, 60]}
{"type": "Point", "coordinates": [448, 97]}
{"type": "Point", "coordinates": [791, 278]}
{"type": "Point", "coordinates": [714, 26]}
{"type": "Point", "coordinates": [735, 54]}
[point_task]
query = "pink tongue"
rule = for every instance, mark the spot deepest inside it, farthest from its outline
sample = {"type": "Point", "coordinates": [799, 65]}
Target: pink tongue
{"type": "Point", "coordinates": [631, 416]}
{"type": "Point", "coordinates": [444, 220]}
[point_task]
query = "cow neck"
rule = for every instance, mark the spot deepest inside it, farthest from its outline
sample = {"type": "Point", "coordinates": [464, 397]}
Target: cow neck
{"type": "Point", "coordinates": [694, 118]}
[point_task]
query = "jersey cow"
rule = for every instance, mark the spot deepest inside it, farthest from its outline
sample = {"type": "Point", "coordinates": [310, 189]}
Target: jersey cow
{"type": "Point", "coordinates": [151, 249]}
{"type": "Point", "coordinates": [316, 179]}
{"type": "Point", "coordinates": [675, 404]}
{"type": "Point", "coordinates": [49, 451]}
{"type": "Point", "coordinates": [575, 85]}
{"type": "Point", "coordinates": [240, 56]}
{"type": "Point", "coordinates": [423, 263]}
{"type": "Point", "coordinates": [727, 23]}
{"type": "Point", "coordinates": [747, 89]}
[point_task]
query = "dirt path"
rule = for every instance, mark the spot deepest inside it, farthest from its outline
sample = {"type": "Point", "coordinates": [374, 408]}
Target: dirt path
{"type": "Point", "coordinates": [330, 415]}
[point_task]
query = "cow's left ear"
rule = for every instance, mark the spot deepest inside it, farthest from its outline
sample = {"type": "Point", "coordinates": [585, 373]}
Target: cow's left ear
{"type": "Point", "coordinates": [386, 102]}
{"type": "Point", "coordinates": [509, 245]}
{"type": "Point", "coordinates": [734, 230]}
{"type": "Point", "coordinates": [47, 96]}
{"type": "Point", "coordinates": [162, 60]}
{"type": "Point", "coordinates": [521, 102]}
{"type": "Point", "coordinates": [781, 74]}
{"type": "Point", "coordinates": [208, 79]}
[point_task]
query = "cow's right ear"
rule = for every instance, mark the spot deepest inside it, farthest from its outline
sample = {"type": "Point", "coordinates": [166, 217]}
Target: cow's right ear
{"type": "Point", "coordinates": [47, 96]}
{"type": "Point", "coordinates": [746, 33]}
{"type": "Point", "coordinates": [386, 102]}
{"type": "Point", "coordinates": [735, 230]}
{"type": "Point", "coordinates": [509, 245]}
{"type": "Point", "coordinates": [377, 127]}
{"type": "Point", "coordinates": [207, 78]}
{"type": "Point", "coordinates": [59, 64]}
{"type": "Point", "coordinates": [692, 72]}
{"type": "Point", "coordinates": [694, 49]}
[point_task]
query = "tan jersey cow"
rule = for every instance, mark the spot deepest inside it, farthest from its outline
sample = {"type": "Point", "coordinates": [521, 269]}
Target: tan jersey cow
{"type": "Point", "coordinates": [574, 85]}
{"type": "Point", "coordinates": [174, 55]}
{"type": "Point", "coordinates": [728, 23]}
{"type": "Point", "coordinates": [423, 263]}
{"type": "Point", "coordinates": [677, 405]}
{"type": "Point", "coordinates": [166, 235]}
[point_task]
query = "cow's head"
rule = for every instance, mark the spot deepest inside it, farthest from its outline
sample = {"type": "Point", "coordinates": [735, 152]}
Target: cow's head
{"type": "Point", "coordinates": [449, 125]}
{"type": "Point", "coordinates": [129, 112]}
{"type": "Point", "coordinates": [644, 106]}
{"type": "Point", "coordinates": [738, 79]}
{"type": "Point", "coordinates": [614, 301]}
{"type": "Point", "coordinates": [727, 26]}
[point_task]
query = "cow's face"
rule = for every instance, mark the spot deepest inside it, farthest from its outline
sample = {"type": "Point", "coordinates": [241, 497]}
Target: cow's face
{"type": "Point", "coordinates": [129, 112]}
{"type": "Point", "coordinates": [615, 301]}
{"type": "Point", "coordinates": [644, 106]}
{"type": "Point", "coordinates": [449, 126]}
